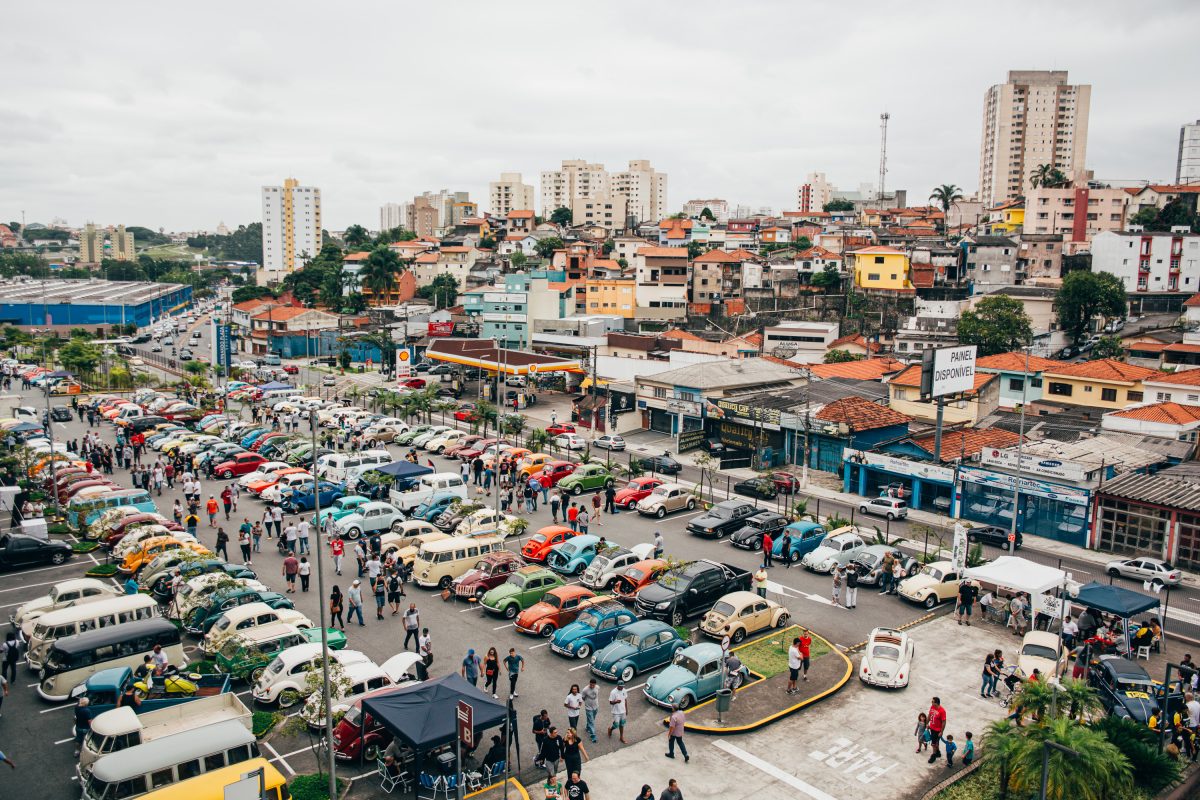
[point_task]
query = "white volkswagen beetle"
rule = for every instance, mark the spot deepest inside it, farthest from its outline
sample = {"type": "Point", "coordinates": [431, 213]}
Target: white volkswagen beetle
{"type": "Point", "coordinates": [887, 661]}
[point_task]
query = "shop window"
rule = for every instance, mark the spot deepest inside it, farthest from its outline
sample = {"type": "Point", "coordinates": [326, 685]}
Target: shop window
{"type": "Point", "coordinates": [1130, 528]}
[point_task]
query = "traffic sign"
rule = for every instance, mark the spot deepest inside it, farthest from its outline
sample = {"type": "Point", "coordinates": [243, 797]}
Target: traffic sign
{"type": "Point", "coordinates": [466, 726]}
{"type": "Point", "coordinates": [1012, 537]}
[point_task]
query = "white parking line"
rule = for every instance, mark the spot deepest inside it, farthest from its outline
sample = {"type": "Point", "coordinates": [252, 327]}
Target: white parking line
{"type": "Point", "coordinates": [535, 647]}
{"type": "Point", "coordinates": [57, 708]}
{"type": "Point", "coordinates": [364, 775]}
{"type": "Point", "coordinates": [64, 741]}
{"type": "Point", "coordinates": [775, 772]}
{"type": "Point", "coordinates": [473, 607]}
{"type": "Point", "coordinates": [584, 665]}
{"type": "Point", "coordinates": [279, 758]}
{"type": "Point", "coordinates": [502, 627]}
{"type": "Point", "coordinates": [32, 585]}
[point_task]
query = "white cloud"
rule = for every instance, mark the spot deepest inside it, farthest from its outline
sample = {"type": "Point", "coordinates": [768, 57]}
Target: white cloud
{"type": "Point", "coordinates": [174, 115]}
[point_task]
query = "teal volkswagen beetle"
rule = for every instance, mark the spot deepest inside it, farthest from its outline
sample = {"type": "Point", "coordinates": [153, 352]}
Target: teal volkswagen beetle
{"type": "Point", "coordinates": [574, 555]}
{"type": "Point", "coordinates": [596, 626]}
{"type": "Point", "coordinates": [342, 507]}
{"type": "Point", "coordinates": [643, 646]}
{"type": "Point", "coordinates": [693, 677]}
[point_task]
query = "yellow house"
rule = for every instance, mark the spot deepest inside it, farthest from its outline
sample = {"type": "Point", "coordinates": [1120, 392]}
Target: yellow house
{"type": "Point", "coordinates": [1007, 218]}
{"type": "Point", "coordinates": [881, 268]}
{"type": "Point", "coordinates": [612, 296]}
{"type": "Point", "coordinates": [1104, 383]}
{"type": "Point", "coordinates": [904, 395]}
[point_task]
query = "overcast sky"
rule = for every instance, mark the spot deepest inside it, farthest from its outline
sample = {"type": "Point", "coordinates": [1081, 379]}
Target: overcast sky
{"type": "Point", "coordinates": [175, 115]}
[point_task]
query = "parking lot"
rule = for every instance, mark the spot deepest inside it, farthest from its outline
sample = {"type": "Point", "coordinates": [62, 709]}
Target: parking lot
{"type": "Point", "coordinates": [32, 732]}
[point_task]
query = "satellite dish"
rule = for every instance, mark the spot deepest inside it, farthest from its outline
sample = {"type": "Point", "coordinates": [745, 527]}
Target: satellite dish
{"type": "Point", "coordinates": [784, 351]}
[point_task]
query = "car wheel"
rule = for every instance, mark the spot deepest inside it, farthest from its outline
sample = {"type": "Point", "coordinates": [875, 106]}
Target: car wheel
{"type": "Point", "coordinates": [371, 752]}
{"type": "Point", "coordinates": [782, 621]}
{"type": "Point", "coordinates": [738, 636]}
{"type": "Point", "coordinates": [1116, 573]}
{"type": "Point", "coordinates": [661, 512]}
{"type": "Point", "coordinates": [757, 545]}
{"type": "Point", "coordinates": [691, 506]}
{"type": "Point", "coordinates": [353, 533]}
{"type": "Point", "coordinates": [676, 618]}
{"type": "Point", "coordinates": [972, 538]}
{"type": "Point", "coordinates": [227, 474]}
{"type": "Point", "coordinates": [510, 611]}
{"type": "Point", "coordinates": [720, 534]}
{"type": "Point", "coordinates": [577, 489]}
{"type": "Point", "coordinates": [862, 509]}
{"type": "Point", "coordinates": [1156, 582]}
{"type": "Point", "coordinates": [479, 593]}
{"type": "Point", "coordinates": [890, 516]}
{"type": "Point", "coordinates": [58, 558]}
{"type": "Point", "coordinates": [627, 673]}
{"type": "Point", "coordinates": [288, 698]}
{"type": "Point", "coordinates": [548, 630]}
{"type": "Point", "coordinates": [930, 600]}
{"type": "Point", "coordinates": [684, 702]}
{"type": "Point", "coordinates": [794, 557]}
{"type": "Point", "coordinates": [584, 650]}
{"type": "Point", "coordinates": [256, 674]}
{"type": "Point", "coordinates": [445, 582]}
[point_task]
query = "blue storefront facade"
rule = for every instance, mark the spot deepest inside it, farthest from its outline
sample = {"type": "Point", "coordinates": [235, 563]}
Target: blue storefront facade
{"type": "Point", "coordinates": [87, 313]}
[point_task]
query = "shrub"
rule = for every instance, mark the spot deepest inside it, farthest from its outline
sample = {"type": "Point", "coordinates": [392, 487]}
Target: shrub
{"type": "Point", "coordinates": [1152, 770]}
{"type": "Point", "coordinates": [264, 722]}
{"type": "Point", "coordinates": [102, 571]}
{"type": "Point", "coordinates": [84, 547]}
{"type": "Point", "coordinates": [313, 787]}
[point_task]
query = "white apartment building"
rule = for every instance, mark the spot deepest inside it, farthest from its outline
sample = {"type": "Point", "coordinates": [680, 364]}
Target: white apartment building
{"type": "Point", "coordinates": [1035, 118]}
{"type": "Point", "coordinates": [1150, 261]}
{"type": "Point", "coordinates": [607, 212]}
{"type": "Point", "coordinates": [719, 208]}
{"type": "Point", "coordinates": [291, 229]}
{"type": "Point", "coordinates": [1187, 167]}
{"type": "Point", "coordinates": [576, 179]}
{"type": "Point", "coordinates": [393, 215]}
{"type": "Point", "coordinates": [815, 192]}
{"type": "Point", "coordinates": [644, 190]}
{"type": "Point", "coordinates": [509, 194]}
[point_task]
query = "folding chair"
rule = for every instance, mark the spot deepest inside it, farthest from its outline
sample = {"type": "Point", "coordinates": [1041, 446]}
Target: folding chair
{"type": "Point", "coordinates": [433, 784]}
{"type": "Point", "coordinates": [389, 782]}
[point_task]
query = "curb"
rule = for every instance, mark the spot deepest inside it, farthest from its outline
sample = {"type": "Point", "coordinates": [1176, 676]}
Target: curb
{"type": "Point", "coordinates": [787, 712]}
{"type": "Point", "coordinates": [955, 778]}
{"type": "Point", "coordinates": [516, 784]}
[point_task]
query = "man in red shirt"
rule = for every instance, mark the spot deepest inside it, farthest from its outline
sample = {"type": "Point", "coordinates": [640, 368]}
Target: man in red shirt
{"type": "Point", "coordinates": [805, 650]}
{"type": "Point", "coordinates": [768, 544]}
{"type": "Point", "coordinates": [339, 549]}
{"type": "Point", "coordinates": [936, 725]}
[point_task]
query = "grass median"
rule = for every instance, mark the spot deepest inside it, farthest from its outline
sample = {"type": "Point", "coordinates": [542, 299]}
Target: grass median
{"type": "Point", "coordinates": [768, 656]}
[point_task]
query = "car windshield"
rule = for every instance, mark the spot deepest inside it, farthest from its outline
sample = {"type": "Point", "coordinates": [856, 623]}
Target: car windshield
{"type": "Point", "coordinates": [275, 667]}
{"type": "Point", "coordinates": [630, 638]}
{"type": "Point", "coordinates": [538, 538]}
{"type": "Point", "coordinates": [635, 574]}
{"type": "Point", "coordinates": [1039, 651]}
{"type": "Point", "coordinates": [589, 619]}
{"type": "Point", "coordinates": [1135, 683]}
{"type": "Point", "coordinates": [887, 651]}
{"type": "Point", "coordinates": [722, 608]}
{"type": "Point", "coordinates": [721, 513]}
{"type": "Point", "coordinates": [552, 600]}
{"type": "Point", "coordinates": [933, 572]}
{"type": "Point", "coordinates": [353, 714]}
{"type": "Point", "coordinates": [867, 560]}
{"type": "Point", "coordinates": [687, 662]}
{"type": "Point", "coordinates": [223, 623]}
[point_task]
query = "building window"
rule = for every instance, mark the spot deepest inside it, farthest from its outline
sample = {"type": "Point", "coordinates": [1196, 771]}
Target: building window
{"type": "Point", "coordinates": [1108, 395]}
{"type": "Point", "coordinates": [1133, 397]}
{"type": "Point", "coordinates": [1016, 384]}
{"type": "Point", "coordinates": [878, 259]}
{"type": "Point", "coordinates": [1036, 383]}
{"type": "Point", "coordinates": [660, 392]}
{"type": "Point", "coordinates": [1060, 389]}
{"type": "Point", "coordinates": [872, 276]}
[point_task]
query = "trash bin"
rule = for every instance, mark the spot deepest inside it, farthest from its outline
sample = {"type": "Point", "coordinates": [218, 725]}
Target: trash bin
{"type": "Point", "coordinates": [724, 699]}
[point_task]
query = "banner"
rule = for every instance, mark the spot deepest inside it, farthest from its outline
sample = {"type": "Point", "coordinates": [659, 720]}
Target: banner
{"type": "Point", "coordinates": [690, 440]}
{"type": "Point", "coordinates": [224, 345]}
{"type": "Point", "coordinates": [959, 556]}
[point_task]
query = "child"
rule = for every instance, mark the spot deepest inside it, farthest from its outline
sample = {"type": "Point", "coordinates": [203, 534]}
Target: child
{"type": "Point", "coordinates": [922, 732]}
{"type": "Point", "coordinates": [951, 748]}
{"type": "Point", "coordinates": [968, 750]}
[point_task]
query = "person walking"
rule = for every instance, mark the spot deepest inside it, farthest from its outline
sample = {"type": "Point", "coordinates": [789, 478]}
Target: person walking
{"type": "Point", "coordinates": [591, 707]}
{"type": "Point", "coordinates": [659, 544]}
{"type": "Point", "coordinates": [491, 671]}
{"type": "Point", "coordinates": [675, 725]}
{"type": "Point", "coordinates": [425, 647]}
{"type": "Point", "coordinates": [573, 752]}
{"type": "Point", "coordinates": [335, 608]}
{"type": "Point", "coordinates": [768, 545]}
{"type": "Point", "coordinates": [760, 581]}
{"type": "Point", "coordinates": [379, 589]}
{"type": "Point", "coordinates": [223, 543]}
{"type": "Point", "coordinates": [277, 518]}
{"type": "Point", "coordinates": [83, 724]}
{"type": "Point", "coordinates": [555, 501]}
{"type": "Point", "coordinates": [582, 519]}
{"type": "Point", "coordinates": [305, 573]}
{"type": "Point", "coordinates": [550, 752]}
{"type": "Point", "coordinates": [395, 589]}
{"type": "Point", "coordinates": [573, 703]}
{"type": "Point", "coordinates": [291, 534]}
{"type": "Point", "coordinates": [471, 666]}
{"type": "Point", "coordinates": [617, 700]}
{"type": "Point", "coordinates": [412, 626]}
{"type": "Point", "coordinates": [573, 516]}
{"type": "Point", "coordinates": [355, 599]}
{"type": "Point", "coordinates": [338, 548]}
{"type": "Point", "coordinates": [191, 522]}
{"type": "Point", "coordinates": [211, 507]}
{"type": "Point", "coordinates": [610, 499]}
{"type": "Point", "coordinates": [967, 592]}
{"type": "Point", "coordinates": [596, 513]}
{"type": "Point", "coordinates": [672, 791]}
{"type": "Point", "coordinates": [852, 586]}
{"type": "Point", "coordinates": [515, 664]}
{"type": "Point", "coordinates": [936, 725]}
{"type": "Point", "coordinates": [303, 528]}
{"type": "Point", "coordinates": [227, 501]}
{"type": "Point", "coordinates": [244, 542]}
{"type": "Point", "coordinates": [290, 568]}
{"type": "Point", "coordinates": [13, 643]}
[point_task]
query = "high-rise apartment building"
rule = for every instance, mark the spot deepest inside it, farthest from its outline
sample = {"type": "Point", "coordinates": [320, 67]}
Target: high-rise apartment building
{"type": "Point", "coordinates": [644, 190]}
{"type": "Point", "coordinates": [1035, 118]}
{"type": "Point", "coordinates": [576, 179]}
{"type": "Point", "coordinates": [291, 229]}
{"type": "Point", "coordinates": [393, 215]}
{"type": "Point", "coordinates": [510, 194]}
{"type": "Point", "coordinates": [1187, 168]}
{"type": "Point", "coordinates": [91, 244]}
{"type": "Point", "coordinates": [814, 193]}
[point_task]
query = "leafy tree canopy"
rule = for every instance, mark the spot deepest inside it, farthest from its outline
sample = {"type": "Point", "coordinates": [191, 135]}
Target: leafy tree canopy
{"type": "Point", "coordinates": [244, 244]}
{"type": "Point", "coordinates": [708, 214]}
{"type": "Point", "coordinates": [1175, 213]}
{"type": "Point", "coordinates": [546, 247]}
{"type": "Point", "coordinates": [1084, 295]}
{"type": "Point", "coordinates": [838, 205]}
{"type": "Point", "coordinates": [1108, 347]}
{"type": "Point", "coordinates": [443, 291]}
{"type": "Point", "coordinates": [244, 293]}
{"type": "Point", "coordinates": [147, 236]}
{"type": "Point", "coordinates": [517, 259]}
{"type": "Point", "coordinates": [562, 216]}
{"type": "Point", "coordinates": [997, 324]}
{"type": "Point", "coordinates": [841, 357]}
{"type": "Point", "coordinates": [356, 236]}
{"type": "Point", "coordinates": [57, 235]}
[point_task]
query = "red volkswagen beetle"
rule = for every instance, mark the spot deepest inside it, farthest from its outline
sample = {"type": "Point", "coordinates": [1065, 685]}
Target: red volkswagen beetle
{"type": "Point", "coordinates": [628, 495]}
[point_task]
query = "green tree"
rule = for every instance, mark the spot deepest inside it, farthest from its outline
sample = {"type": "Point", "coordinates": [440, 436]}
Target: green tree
{"type": "Point", "coordinates": [829, 278]}
{"type": "Point", "coordinates": [537, 440]}
{"type": "Point", "coordinates": [1049, 176]}
{"type": "Point", "coordinates": [356, 236]}
{"type": "Point", "coordinates": [546, 247]}
{"type": "Point", "coordinates": [561, 216]}
{"type": "Point", "coordinates": [79, 356]}
{"type": "Point", "coordinates": [487, 243]}
{"type": "Point", "coordinates": [379, 273]}
{"type": "Point", "coordinates": [608, 247]}
{"type": "Point", "coordinates": [487, 415]}
{"type": "Point", "coordinates": [622, 263]}
{"type": "Point", "coordinates": [946, 196]}
{"type": "Point", "coordinates": [244, 293]}
{"type": "Point", "coordinates": [997, 324]}
{"type": "Point", "coordinates": [146, 236]}
{"type": "Point", "coordinates": [708, 214]}
{"type": "Point", "coordinates": [443, 291]}
{"type": "Point", "coordinates": [838, 205]}
{"type": "Point", "coordinates": [841, 357]}
{"type": "Point", "coordinates": [695, 250]}
{"type": "Point", "coordinates": [517, 259]}
{"type": "Point", "coordinates": [54, 234]}
{"type": "Point", "coordinates": [1100, 771]}
{"type": "Point", "coordinates": [1175, 213]}
{"type": "Point", "coordinates": [1108, 347]}
{"type": "Point", "coordinates": [1084, 295]}
{"type": "Point", "coordinates": [244, 244]}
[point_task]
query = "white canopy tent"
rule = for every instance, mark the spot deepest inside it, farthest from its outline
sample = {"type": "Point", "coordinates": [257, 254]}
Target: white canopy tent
{"type": "Point", "coordinates": [1014, 572]}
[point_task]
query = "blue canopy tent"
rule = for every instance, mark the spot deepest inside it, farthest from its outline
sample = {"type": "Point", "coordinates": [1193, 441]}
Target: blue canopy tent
{"type": "Point", "coordinates": [25, 427]}
{"type": "Point", "coordinates": [1110, 599]}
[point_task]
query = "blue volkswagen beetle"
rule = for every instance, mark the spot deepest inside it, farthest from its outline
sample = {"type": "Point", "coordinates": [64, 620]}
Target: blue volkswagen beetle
{"type": "Point", "coordinates": [803, 537]}
{"type": "Point", "coordinates": [693, 677]}
{"type": "Point", "coordinates": [301, 498]}
{"type": "Point", "coordinates": [254, 435]}
{"type": "Point", "coordinates": [432, 508]}
{"type": "Point", "coordinates": [574, 555]}
{"type": "Point", "coordinates": [596, 626]}
{"type": "Point", "coordinates": [643, 646]}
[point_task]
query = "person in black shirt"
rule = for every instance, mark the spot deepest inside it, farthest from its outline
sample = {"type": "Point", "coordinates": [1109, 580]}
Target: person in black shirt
{"type": "Point", "coordinates": [83, 722]}
{"type": "Point", "coordinates": [576, 788]}
{"type": "Point", "coordinates": [551, 751]}
{"type": "Point", "coordinates": [495, 753]}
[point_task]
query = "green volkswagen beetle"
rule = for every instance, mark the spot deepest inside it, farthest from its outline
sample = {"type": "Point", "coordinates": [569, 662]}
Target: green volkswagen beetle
{"type": "Point", "coordinates": [587, 478]}
{"type": "Point", "coordinates": [522, 589]}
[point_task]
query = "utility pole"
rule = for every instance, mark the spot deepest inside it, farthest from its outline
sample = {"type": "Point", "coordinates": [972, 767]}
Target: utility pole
{"type": "Point", "coordinates": [1012, 532]}
{"type": "Point", "coordinates": [883, 126]}
{"type": "Point", "coordinates": [312, 421]}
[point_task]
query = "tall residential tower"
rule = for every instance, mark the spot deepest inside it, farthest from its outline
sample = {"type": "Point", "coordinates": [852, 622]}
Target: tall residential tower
{"type": "Point", "coordinates": [1187, 168]}
{"type": "Point", "coordinates": [291, 229]}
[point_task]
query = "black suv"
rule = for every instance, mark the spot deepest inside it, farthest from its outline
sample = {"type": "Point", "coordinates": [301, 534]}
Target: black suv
{"type": "Point", "coordinates": [722, 519]}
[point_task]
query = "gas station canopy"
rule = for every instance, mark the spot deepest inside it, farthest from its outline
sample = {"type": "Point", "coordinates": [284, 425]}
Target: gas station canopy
{"type": "Point", "coordinates": [485, 354]}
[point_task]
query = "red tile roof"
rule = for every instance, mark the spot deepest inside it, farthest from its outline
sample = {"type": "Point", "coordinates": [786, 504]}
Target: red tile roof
{"type": "Point", "coordinates": [1104, 369]}
{"type": "Point", "coordinates": [1193, 301]}
{"type": "Point", "coordinates": [522, 214]}
{"type": "Point", "coordinates": [456, 249]}
{"type": "Point", "coordinates": [282, 314]}
{"type": "Point", "coordinates": [1182, 347]}
{"type": "Point", "coordinates": [679, 333]}
{"type": "Point", "coordinates": [1015, 362]}
{"type": "Point", "coordinates": [1169, 413]}
{"type": "Point", "coordinates": [1186, 377]}
{"type": "Point", "coordinates": [355, 257]}
{"type": "Point", "coordinates": [663, 252]}
{"type": "Point", "coordinates": [877, 250]}
{"type": "Point", "coordinates": [967, 442]}
{"type": "Point", "coordinates": [912, 377]}
{"type": "Point", "coordinates": [1144, 346]}
{"type": "Point", "coordinates": [867, 369]}
{"type": "Point", "coordinates": [717, 256]}
{"type": "Point", "coordinates": [854, 338]}
{"type": "Point", "coordinates": [861, 414]}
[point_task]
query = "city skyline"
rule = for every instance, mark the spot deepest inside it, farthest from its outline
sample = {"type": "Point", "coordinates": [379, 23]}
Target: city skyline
{"type": "Point", "coordinates": [187, 146]}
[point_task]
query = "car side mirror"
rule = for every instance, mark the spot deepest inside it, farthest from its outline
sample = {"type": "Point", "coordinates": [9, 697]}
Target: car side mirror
{"type": "Point", "coordinates": [692, 591]}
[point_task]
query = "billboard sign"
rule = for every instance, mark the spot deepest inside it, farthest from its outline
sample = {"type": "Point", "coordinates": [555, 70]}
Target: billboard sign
{"type": "Point", "coordinates": [947, 370]}
{"type": "Point", "coordinates": [403, 362]}
{"type": "Point", "coordinates": [224, 345]}
{"type": "Point", "coordinates": [690, 440]}
{"type": "Point", "coordinates": [1034, 464]}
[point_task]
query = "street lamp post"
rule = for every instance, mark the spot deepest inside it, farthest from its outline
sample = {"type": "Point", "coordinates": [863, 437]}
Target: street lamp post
{"type": "Point", "coordinates": [312, 421]}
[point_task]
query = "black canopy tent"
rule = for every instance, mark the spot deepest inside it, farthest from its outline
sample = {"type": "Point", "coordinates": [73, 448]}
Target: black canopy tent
{"type": "Point", "coordinates": [423, 716]}
{"type": "Point", "coordinates": [1115, 600]}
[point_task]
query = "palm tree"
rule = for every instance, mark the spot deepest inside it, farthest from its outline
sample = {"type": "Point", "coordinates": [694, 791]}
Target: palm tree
{"type": "Point", "coordinates": [379, 273]}
{"type": "Point", "coordinates": [1100, 770]}
{"type": "Point", "coordinates": [445, 407]}
{"type": "Point", "coordinates": [946, 196]}
{"type": "Point", "coordinates": [1080, 699]}
{"type": "Point", "coordinates": [1049, 176]}
{"type": "Point", "coordinates": [537, 440]}
{"type": "Point", "coordinates": [422, 403]}
{"type": "Point", "coordinates": [514, 425]}
{"type": "Point", "coordinates": [487, 414]}
{"type": "Point", "coordinates": [1002, 740]}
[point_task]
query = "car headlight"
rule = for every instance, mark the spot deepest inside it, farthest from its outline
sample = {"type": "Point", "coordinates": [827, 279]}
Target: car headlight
{"type": "Point", "coordinates": [663, 606]}
{"type": "Point", "coordinates": [571, 647]}
{"type": "Point", "coordinates": [593, 660]}
{"type": "Point", "coordinates": [671, 697]}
